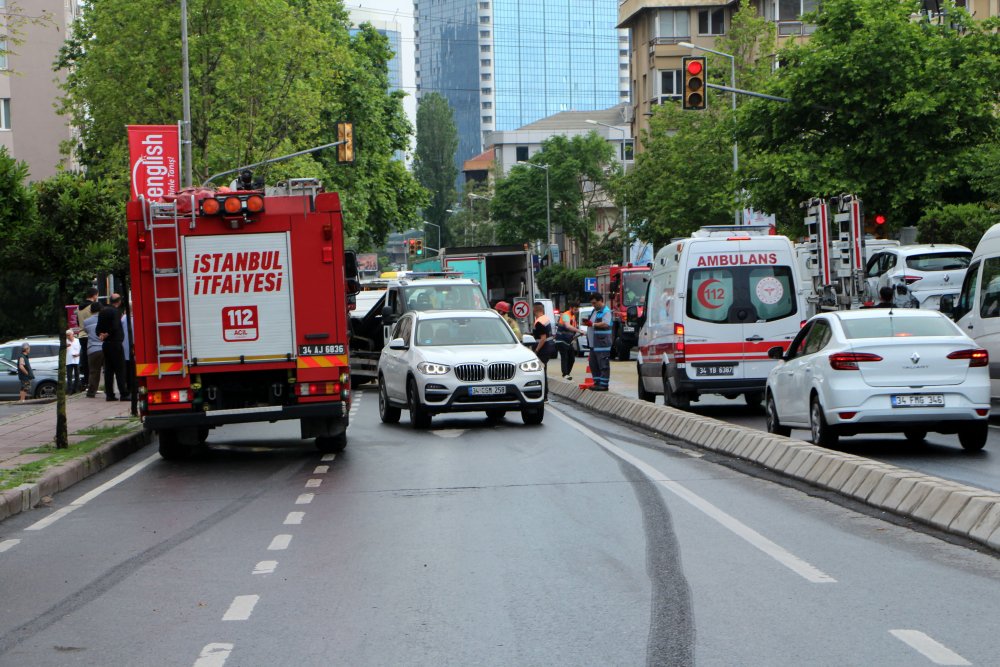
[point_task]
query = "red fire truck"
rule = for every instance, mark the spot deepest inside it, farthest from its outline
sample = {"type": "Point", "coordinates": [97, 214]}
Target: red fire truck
{"type": "Point", "coordinates": [240, 312]}
{"type": "Point", "coordinates": [622, 287]}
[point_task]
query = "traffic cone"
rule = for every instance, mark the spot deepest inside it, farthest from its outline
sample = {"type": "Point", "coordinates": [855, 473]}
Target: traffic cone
{"type": "Point", "coordinates": [588, 380]}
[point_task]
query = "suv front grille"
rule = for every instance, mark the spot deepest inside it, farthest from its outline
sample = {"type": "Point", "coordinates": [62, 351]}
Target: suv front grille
{"type": "Point", "coordinates": [470, 372]}
{"type": "Point", "coordinates": [501, 371]}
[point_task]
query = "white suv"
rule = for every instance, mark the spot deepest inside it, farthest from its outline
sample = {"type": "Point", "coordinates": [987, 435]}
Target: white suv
{"type": "Point", "coordinates": [458, 361]}
{"type": "Point", "coordinates": [926, 272]}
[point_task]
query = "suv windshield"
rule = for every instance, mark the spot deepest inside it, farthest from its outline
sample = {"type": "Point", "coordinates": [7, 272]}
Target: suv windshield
{"type": "Point", "coordinates": [741, 294]}
{"type": "Point", "coordinates": [939, 261]}
{"type": "Point", "coordinates": [444, 297]}
{"type": "Point", "coordinates": [635, 288]}
{"type": "Point", "coordinates": [464, 331]}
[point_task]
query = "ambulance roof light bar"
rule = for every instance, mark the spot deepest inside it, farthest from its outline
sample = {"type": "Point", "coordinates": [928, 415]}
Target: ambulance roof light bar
{"type": "Point", "coordinates": [728, 230]}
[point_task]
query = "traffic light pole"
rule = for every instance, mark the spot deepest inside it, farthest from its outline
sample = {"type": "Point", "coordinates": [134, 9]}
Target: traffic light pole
{"type": "Point", "coordinates": [740, 91]}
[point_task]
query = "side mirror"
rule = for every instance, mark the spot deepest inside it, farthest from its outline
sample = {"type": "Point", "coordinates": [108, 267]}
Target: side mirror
{"type": "Point", "coordinates": [947, 304]}
{"type": "Point", "coordinates": [353, 286]}
{"type": "Point", "coordinates": [350, 265]}
{"type": "Point", "coordinates": [398, 344]}
{"type": "Point", "coordinates": [632, 313]}
{"type": "Point", "coordinates": [528, 339]}
{"type": "Point", "coordinates": [386, 313]}
{"type": "Point", "coordinates": [776, 352]}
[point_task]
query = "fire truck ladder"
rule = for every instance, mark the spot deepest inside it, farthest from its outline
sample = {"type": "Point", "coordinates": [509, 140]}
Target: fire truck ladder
{"type": "Point", "coordinates": [166, 265]}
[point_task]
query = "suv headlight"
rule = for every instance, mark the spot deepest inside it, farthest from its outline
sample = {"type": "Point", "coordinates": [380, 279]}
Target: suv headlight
{"type": "Point", "coordinates": [428, 368]}
{"type": "Point", "coordinates": [529, 366]}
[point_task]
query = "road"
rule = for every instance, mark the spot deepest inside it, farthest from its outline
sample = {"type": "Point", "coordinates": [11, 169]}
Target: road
{"type": "Point", "coordinates": [940, 455]}
{"type": "Point", "coordinates": [579, 542]}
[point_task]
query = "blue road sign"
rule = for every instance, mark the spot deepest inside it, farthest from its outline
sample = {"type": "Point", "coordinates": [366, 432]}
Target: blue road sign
{"type": "Point", "coordinates": [590, 284]}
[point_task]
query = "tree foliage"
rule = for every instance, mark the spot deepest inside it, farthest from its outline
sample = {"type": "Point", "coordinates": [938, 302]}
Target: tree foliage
{"type": "Point", "coordinates": [559, 279]}
{"type": "Point", "coordinates": [881, 105]}
{"type": "Point", "coordinates": [434, 160]}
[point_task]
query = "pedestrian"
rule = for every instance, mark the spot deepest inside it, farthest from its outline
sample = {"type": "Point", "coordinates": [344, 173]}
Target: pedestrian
{"type": "Point", "coordinates": [24, 373]}
{"type": "Point", "coordinates": [73, 349]}
{"type": "Point", "coordinates": [88, 307]}
{"type": "Point", "coordinates": [503, 308]}
{"type": "Point", "coordinates": [545, 344]}
{"type": "Point", "coordinates": [599, 337]}
{"type": "Point", "coordinates": [566, 333]}
{"type": "Point", "coordinates": [886, 297]}
{"type": "Point", "coordinates": [95, 355]}
{"type": "Point", "coordinates": [112, 336]}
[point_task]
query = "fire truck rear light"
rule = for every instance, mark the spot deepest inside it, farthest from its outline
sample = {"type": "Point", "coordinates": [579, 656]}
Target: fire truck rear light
{"type": "Point", "coordinates": [327, 232]}
{"type": "Point", "coordinates": [317, 388]}
{"type": "Point", "coordinates": [210, 206]}
{"type": "Point", "coordinates": [255, 204]}
{"type": "Point", "coordinates": [141, 242]}
{"type": "Point", "coordinates": [172, 396]}
{"type": "Point", "coordinates": [233, 205]}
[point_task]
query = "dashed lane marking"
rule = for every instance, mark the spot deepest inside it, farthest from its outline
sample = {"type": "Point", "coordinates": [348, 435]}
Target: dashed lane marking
{"type": "Point", "coordinates": [294, 518]}
{"type": "Point", "coordinates": [7, 545]}
{"type": "Point", "coordinates": [328, 457]}
{"type": "Point", "coordinates": [213, 655]}
{"type": "Point", "coordinates": [265, 567]}
{"type": "Point", "coordinates": [305, 499]}
{"type": "Point", "coordinates": [90, 495]}
{"type": "Point", "coordinates": [778, 553]}
{"type": "Point", "coordinates": [241, 608]}
{"type": "Point", "coordinates": [321, 470]}
{"type": "Point", "coordinates": [280, 543]}
{"type": "Point", "coordinates": [934, 651]}
{"type": "Point", "coordinates": [313, 483]}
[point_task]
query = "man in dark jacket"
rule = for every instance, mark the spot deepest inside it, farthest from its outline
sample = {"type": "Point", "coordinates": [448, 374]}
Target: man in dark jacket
{"type": "Point", "coordinates": [112, 335]}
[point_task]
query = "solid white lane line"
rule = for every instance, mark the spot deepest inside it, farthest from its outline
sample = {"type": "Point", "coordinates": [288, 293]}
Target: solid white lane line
{"type": "Point", "coordinates": [321, 470]}
{"type": "Point", "coordinates": [213, 655]}
{"type": "Point", "coordinates": [7, 545]}
{"type": "Point", "coordinates": [294, 518]}
{"type": "Point", "coordinates": [328, 457]}
{"type": "Point", "coordinates": [280, 543]}
{"type": "Point", "coordinates": [313, 483]}
{"type": "Point", "coordinates": [934, 651]}
{"type": "Point", "coordinates": [305, 499]}
{"type": "Point", "coordinates": [90, 495]}
{"type": "Point", "coordinates": [241, 608]}
{"type": "Point", "coordinates": [778, 553]}
{"type": "Point", "coordinates": [265, 567]}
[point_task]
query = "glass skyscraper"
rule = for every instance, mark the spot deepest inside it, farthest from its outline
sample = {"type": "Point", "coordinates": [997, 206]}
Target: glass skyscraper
{"type": "Point", "coordinates": [505, 63]}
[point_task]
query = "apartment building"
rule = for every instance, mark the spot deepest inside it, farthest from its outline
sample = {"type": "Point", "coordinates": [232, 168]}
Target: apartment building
{"type": "Point", "coordinates": [30, 128]}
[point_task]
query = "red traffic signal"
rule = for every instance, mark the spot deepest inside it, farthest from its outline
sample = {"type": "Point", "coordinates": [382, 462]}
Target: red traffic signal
{"type": "Point", "coordinates": [694, 96]}
{"type": "Point", "coordinates": [879, 219]}
{"type": "Point", "coordinates": [694, 67]}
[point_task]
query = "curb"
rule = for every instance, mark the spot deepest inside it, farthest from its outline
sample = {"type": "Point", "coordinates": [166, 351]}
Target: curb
{"type": "Point", "coordinates": [61, 477]}
{"type": "Point", "coordinates": [954, 508]}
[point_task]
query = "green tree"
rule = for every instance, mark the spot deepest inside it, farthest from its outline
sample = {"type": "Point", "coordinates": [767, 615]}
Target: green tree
{"type": "Point", "coordinates": [881, 105]}
{"type": "Point", "coordinates": [434, 161]}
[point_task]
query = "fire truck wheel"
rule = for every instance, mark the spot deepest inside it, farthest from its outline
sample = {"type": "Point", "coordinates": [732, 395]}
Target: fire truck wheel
{"type": "Point", "coordinates": [202, 435]}
{"type": "Point", "coordinates": [170, 446]}
{"type": "Point", "coordinates": [386, 412]}
{"type": "Point", "coordinates": [419, 417]}
{"type": "Point", "coordinates": [622, 349]}
{"type": "Point", "coordinates": [331, 445]}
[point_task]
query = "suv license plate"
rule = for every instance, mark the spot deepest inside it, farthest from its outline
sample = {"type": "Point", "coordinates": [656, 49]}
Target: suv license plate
{"type": "Point", "coordinates": [714, 371]}
{"type": "Point", "coordinates": [487, 391]}
{"type": "Point", "coordinates": [918, 401]}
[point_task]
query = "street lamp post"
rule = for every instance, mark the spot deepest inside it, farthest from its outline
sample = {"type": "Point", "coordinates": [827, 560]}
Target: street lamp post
{"type": "Point", "coordinates": [732, 83]}
{"type": "Point", "coordinates": [473, 195]}
{"type": "Point", "coordinates": [621, 158]}
{"type": "Point", "coordinates": [438, 227]}
{"type": "Point", "coordinates": [548, 207]}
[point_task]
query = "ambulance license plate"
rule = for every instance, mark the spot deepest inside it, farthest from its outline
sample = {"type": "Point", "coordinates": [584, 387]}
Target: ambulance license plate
{"type": "Point", "coordinates": [714, 371]}
{"type": "Point", "coordinates": [487, 391]}
{"type": "Point", "coordinates": [918, 400]}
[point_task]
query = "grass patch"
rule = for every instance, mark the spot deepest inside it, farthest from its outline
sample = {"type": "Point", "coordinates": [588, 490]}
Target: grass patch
{"type": "Point", "coordinates": [30, 472]}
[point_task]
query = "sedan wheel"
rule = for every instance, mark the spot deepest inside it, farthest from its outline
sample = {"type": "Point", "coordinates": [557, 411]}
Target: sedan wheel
{"type": "Point", "coordinates": [386, 412]}
{"type": "Point", "coordinates": [822, 434]}
{"type": "Point", "coordinates": [45, 390]}
{"type": "Point", "coordinates": [419, 418]}
{"type": "Point", "coordinates": [973, 438]}
{"type": "Point", "coordinates": [773, 424]}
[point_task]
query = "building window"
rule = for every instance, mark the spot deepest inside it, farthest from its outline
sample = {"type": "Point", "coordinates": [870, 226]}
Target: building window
{"type": "Point", "coordinates": [791, 10]}
{"type": "Point", "coordinates": [670, 85]}
{"type": "Point", "coordinates": [487, 119]}
{"type": "Point", "coordinates": [486, 91]}
{"type": "Point", "coordinates": [485, 34]}
{"type": "Point", "coordinates": [3, 49]}
{"type": "Point", "coordinates": [484, 19]}
{"type": "Point", "coordinates": [485, 48]}
{"type": "Point", "coordinates": [5, 113]}
{"type": "Point", "coordinates": [671, 23]}
{"type": "Point", "coordinates": [712, 21]}
{"type": "Point", "coordinates": [485, 62]}
{"type": "Point", "coordinates": [628, 150]}
{"type": "Point", "coordinates": [487, 105]}
{"type": "Point", "coordinates": [622, 53]}
{"type": "Point", "coordinates": [484, 5]}
{"type": "Point", "coordinates": [485, 76]}
{"type": "Point", "coordinates": [623, 66]}
{"type": "Point", "coordinates": [521, 152]}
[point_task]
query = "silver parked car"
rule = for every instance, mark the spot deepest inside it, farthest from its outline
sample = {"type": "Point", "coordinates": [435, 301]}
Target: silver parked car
{"type": "Point", "coordinates": [43, 386]}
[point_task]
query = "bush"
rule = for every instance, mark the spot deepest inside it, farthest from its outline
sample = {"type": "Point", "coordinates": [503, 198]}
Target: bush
{"type": "Point", "coordinates": [964, 224]}
{"type": "Point", "coordinates": [558, 279]}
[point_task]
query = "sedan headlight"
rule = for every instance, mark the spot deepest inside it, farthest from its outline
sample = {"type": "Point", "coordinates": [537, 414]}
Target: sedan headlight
{"type": "Point", "coordinates": [428, 368]}
{"type": "Point", "coordinates": [529, 366]}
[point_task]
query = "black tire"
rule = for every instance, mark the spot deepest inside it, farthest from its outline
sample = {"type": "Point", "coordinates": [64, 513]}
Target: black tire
{"type": "Point", "coordinates": [822, 434]}
{"type": "Point", "coordinates": [773, 423]}
{"type": "Point", "coordinates": [419, 417]}
{"type": "Point", "coordinates": [613, 354]}
{"type": "Point", "coordinates": [642, 393]}
{"type": "Point", "coordinates": [495, 415]}
{"type": "Point", "coordinates": [202, 435]}
{"type": "Point", "coordinates": [973, 438]}
{"type": "Point", "coordinates": [386, 412]}
{"type": "Point", "coordinates": [679, 401]}
{"type": "Point", "coordinates": [624, 350]}
{"type": "Point", "coordinates": [915, 436]}
{"type": "Point", "coordinates": [754, 399]}
{"type": "Point", "coordinates": [170, 447]}
{"type": "Point", "coordinates": [533, 416]}
{"type": "Point", "coordinates": [45, 390]}
{"type": "Point", "coordinates": [331, 444]}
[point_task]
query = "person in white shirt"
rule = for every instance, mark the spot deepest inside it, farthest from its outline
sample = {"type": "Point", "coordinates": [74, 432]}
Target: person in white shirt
{"type": "Point", "coordinates": [72, 362]}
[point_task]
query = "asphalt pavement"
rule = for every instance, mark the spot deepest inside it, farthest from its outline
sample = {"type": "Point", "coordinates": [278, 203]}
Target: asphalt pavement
{"type": "Point", "coordinates": [579, 542]}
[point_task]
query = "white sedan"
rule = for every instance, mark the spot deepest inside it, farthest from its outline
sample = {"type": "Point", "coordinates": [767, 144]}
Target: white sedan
{"type": "Point", "coordinates": [880, 371]}
{"type": "Point", "coordinates": [458, 361]}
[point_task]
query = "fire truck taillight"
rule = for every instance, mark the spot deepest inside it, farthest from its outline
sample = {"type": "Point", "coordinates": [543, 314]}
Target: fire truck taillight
{"type": "Point", "coordinates": [255, 204]}
{"type": "Point", "coordinates": [317, 388]}
{"type": "Point", "coordinates": [172, 396]}
{"type": "Point", "coordinates": [232, 205]}
{"type": "Point", "coordinates": [210, 206]}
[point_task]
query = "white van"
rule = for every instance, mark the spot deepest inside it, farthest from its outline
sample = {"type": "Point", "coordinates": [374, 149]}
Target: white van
{"type": "Point", "coordinates": [977, 308]}
{"type": "Point", "coordinates": [716, 303]}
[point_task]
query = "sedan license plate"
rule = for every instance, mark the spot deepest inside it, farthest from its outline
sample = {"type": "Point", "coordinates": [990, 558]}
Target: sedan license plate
{"type": "Point", "coordinates": [714, 371]}
{"type": "Point", "coordinates": [918, 400]}
{"type": "Point", "coordinates": [487, 391]}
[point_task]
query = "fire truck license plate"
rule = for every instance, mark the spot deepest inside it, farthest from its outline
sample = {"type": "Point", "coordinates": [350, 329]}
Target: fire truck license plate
{"type": "Point", "coordinates": [239, 323]}
{"type": "Point", "coordinates": [713, 371]}
{"type": "Point", "coordinates": [319, 350]}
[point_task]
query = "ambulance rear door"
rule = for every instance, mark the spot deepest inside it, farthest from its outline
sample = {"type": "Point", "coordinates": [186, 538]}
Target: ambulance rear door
{"type": "Point", "coordinates": [775, 301]}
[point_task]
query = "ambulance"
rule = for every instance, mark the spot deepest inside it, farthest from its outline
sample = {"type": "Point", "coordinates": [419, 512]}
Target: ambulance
{"type": "Point", "coordinates": [716, 303]}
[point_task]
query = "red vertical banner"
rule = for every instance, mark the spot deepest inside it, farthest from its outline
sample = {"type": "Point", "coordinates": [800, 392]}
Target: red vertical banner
{"type": "Point", "coordinates": [154, 160]}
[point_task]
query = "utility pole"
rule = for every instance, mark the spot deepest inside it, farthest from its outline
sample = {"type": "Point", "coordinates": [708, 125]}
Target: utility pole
{"type": "Point", "coordinates": [186, 100]}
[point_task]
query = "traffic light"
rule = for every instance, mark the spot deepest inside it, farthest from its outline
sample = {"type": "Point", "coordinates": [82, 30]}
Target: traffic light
{"type": "Point", "coordinates": [411, 247]}
{"type": "Point", "coordinates": [694, 96]}
{"type": "Point", "coordinates": [345, 151]}
{"type": "Point", "coordinates": [879, 219]}
{"type": "Point", "coordinates": [419, 245]}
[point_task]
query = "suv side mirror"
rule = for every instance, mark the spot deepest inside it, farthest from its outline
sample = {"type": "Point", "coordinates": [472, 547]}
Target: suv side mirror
{"type": "Point", "coordinates": [398, 344]}
{"type": "Point", "coordinates": [386, 314]}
